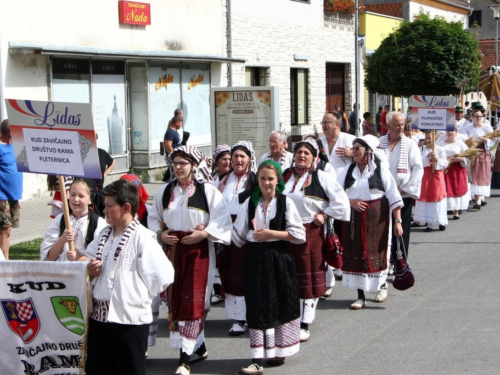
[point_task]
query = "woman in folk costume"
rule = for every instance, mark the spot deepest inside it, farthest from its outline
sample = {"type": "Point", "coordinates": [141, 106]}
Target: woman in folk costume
{"type": "Point", "coordinates": [455, 178]}
{"type": "Point", "coordinates": [236, 187]}
{"type": "Point", "coordinates": [316, 195]}
{"type": "Point", "coordinates": [373, 194]}
{"type": "Point", "coordinates": [267, 221]}
{"type": "Point", "coordinates": [430, 208]}
{"type": "Point", "coordinates": [221, 163]}
{"type": "Point", "coordinates": [481, 166]}
{"type": "Point", "coordinates": [188, 216]}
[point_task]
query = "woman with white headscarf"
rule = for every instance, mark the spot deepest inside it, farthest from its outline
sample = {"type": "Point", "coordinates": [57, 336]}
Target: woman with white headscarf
{"type": "Point", "coordinates": [316, 195]}
{"type": "Point", "coordinates": [236, 186]}
{"type": "Point", "coordinates": [189, 216]}
{"type": "Point", "coordinates": [373, 194]}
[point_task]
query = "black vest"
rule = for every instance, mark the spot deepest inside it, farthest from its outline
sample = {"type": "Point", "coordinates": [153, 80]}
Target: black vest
{"type": "Point", "coordinates": [314, 189]}
{"type": "Point", "coordinates": [92, 220]}
{"type": "Point", "coordinates": [197, 201]}
{"type": "Point", "coordinates": [279, 220]}
{"type": "Point", "coordinates": [374, 182]}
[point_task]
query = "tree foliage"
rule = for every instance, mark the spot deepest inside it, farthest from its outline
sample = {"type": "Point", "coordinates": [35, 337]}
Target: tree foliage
{"type": "Point", "coordinates": [425, 57]}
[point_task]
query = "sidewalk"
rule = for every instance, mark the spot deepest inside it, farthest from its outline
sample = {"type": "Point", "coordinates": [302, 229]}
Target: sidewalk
{"type": "Point", "coordinates": [35, 216]}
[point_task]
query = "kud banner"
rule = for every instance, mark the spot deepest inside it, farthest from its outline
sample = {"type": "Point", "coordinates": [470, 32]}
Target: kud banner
{"type": "Point", "coordinates": [43, 308]}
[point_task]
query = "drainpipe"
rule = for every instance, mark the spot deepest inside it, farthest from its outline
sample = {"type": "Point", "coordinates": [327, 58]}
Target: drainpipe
{"type": "Point", "coordinates": [2, 115]}
{"type": "Point", "coordinates": [229, 44]}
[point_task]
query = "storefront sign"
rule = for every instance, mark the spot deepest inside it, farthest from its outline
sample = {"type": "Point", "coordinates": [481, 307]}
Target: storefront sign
{"type": "Point", "coordinates": [245, 113]}
{"type": "Point", "coordinates": [54, 138]}
{"type": "Point", "coordinates": [433, 112]}
{"type": "Point", "coordinates": [134, 13]}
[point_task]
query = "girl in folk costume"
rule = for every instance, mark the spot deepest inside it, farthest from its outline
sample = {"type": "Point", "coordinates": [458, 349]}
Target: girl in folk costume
{"type": "Point", "coordinates": [127, 268]}
{"type": "Point", "coordinates": [221, 165]}
{"type": "Point", "coordinates": [430, 208]}
{"type": "Point", "coordinates": [481, 166]}
{"type": "Point", "coordinates": [455, 178]}
{"type": "Point", "coordinates": [53, 185]}
{"type": "Point", "coordinates": [236, 187]}
{"type": "Point", "coordinates": [316, 195]}
{"type": "Point", "coordinates": [85, 224]}
{"type": "Point", "coordinates": [267, 221]}
{"type": "Point", "coordinates": [188, 216]}
{"type": "Point", "coordinates": [373, 194]}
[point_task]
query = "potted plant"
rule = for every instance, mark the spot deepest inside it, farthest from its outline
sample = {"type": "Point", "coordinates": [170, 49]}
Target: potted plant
{"type": "Point", "coordinates": [345, 7]}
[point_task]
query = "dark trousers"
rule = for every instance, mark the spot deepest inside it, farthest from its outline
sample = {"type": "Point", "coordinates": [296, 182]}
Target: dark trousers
{"type": "Point", "coordinates": [406, 217]}
{"type": "Point", "coordinates": [114, 348]}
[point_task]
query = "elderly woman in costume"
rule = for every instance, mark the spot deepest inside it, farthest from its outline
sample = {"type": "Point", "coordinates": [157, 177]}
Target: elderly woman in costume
{"type": "Point", "coordinates": [221, 163]}
{"type": "Point", "coordinates": [430, 207]}
{"type": "Point", "coordinates": [373, 194]}
{"type": "Point", "coordinates": [457, 190]}
{"type": "Point", "coordinates": [236, 187]}
{"type": "Point", "coordinates": [267, 221]}
{"type": "Point", "coordinates": [481, 166]}
{"type": "Point", "coordinates": [189, 215]}
{"type": "Point", "coordinates": [317, 196]}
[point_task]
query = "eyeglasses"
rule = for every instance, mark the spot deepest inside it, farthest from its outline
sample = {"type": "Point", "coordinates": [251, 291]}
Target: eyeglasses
{"type": "Point", "coordinates": [357, 148]}
{"type": "Point", "coordinates": [327, 122]}
{"type": "Point", "coordinates": [272, 142]}
{"type": "Point", "coordinates": [181, 164]}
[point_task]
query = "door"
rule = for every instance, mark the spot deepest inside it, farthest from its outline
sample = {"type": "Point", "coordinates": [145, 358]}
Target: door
{"type": "Point", "coordinates": [334, 86]}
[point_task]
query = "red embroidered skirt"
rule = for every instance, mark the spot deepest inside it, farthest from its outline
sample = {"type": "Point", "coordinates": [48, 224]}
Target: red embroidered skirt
{"type": "Point", "coordinates": [433, 188]}
{"type": "Point", "coordinates": [186, 296]}
{"type": "Point", "coordinates": [310, 263]}
{"type": "Point", "coordinates": [231, 268]}
{"type": "Point", "coordinates": [455, 180]}
{"type": "Point", "coordinates": [365, 250]}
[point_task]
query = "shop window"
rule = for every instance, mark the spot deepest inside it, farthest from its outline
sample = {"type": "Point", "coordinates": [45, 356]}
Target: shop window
{"type": "Point", "coordinates": [71, 80]}
{"type": "Point", "coordinates": [298, 94]}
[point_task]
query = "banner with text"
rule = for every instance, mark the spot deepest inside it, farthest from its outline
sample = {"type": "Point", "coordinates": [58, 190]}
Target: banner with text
{"type": "Point", "coordinates": [54, 138]}
{"type": "Point", "coordinates": [244, 113]}
{"type": "Point", "coordinates": [433, 112]}
{"type": "Point", "coordinates": [42, 319]}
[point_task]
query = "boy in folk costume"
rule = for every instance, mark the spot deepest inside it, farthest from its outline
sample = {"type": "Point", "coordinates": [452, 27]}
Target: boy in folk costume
{"type": "Point", "coordinates": [431, 206]}
{"type": "Point", "coordinates": [128, 268]}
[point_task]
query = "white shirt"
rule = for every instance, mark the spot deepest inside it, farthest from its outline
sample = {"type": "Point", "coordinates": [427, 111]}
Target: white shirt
{"type": "Point", "coordinates": [452, 149]}
{"type": "Point", "coordinates": [442, 162]}
{"type": "Point", "coordinates": [481, 131]}
{"type": "Point", "coordinates": [285, 161]}
{"type": "Point", "coordinates": [339, 163]}
{"type": "Point", "coordinates": [231, 190]}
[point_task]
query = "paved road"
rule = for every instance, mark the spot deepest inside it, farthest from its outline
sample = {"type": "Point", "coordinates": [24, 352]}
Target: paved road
{"type": "Point", "coordinates": [448, 323]}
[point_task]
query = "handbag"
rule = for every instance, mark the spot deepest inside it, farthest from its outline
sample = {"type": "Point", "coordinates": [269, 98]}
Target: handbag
{"type": "Point", "coordinates": [185, 138]}
{"type": "Point", "coordinates": [332, 248]}
{"type": "Point", "coordinates": [403, 277]}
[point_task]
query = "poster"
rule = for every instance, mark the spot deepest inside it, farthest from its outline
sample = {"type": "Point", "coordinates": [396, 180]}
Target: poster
{"type": "Point", "coordinates": [433, 112]}
{"type": "Point", "coordinates": [43, 308]}
{"type": "Point", "coordinates": [108, 104]}
{"type": "Point", "coordinates": [53, 138]}
{"type": "Point", "coordinates": [245, 113]}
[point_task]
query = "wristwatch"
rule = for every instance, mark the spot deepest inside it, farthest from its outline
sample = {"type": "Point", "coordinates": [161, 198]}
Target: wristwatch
{"type": "Point", "coordinates": [398, 221]}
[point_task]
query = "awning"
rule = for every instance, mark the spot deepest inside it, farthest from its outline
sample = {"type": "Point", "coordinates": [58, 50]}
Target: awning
{"type": "Point", "coordinates": [19, 48]}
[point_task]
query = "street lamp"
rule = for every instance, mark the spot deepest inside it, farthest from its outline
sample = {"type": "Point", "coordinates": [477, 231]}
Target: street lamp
{"type": "Point", "coordinates": [496, 13]}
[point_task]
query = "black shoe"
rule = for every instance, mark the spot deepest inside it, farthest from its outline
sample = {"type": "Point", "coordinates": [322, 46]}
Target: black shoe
{"type": "Point", "coordinates": [415, 225]}
{"type": "Point", "coordinates": [455, 217]}
{"type": "Point", "coordinates": [476, 206]}
{"type": "Point", "coordinates": [483, 203]}
{"type": "Point", "coordinates": [442, 228]}
{"type": "Point", "coordinates": [276, 361]}
{"type": "Point", "coordinates": [428, 229]}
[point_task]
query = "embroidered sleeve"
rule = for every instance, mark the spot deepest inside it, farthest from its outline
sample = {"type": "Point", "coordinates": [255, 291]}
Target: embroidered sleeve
{"type": "Point", "coordinates": [240, 226]}
{"type": "Point", "coordinates": [294, 223]}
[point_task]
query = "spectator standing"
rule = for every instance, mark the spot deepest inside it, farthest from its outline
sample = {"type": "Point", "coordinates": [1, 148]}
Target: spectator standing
{"type": "Point", "coordinates": [11, 188]}
{"type": "Point", "coordinates": [352, 120]}
{"type": "Point", "coordinates": [378, 118]}
{"type": "Point", "coordinates": [368, 128]}
{"type": "Point", "coordinates": [383, 122]}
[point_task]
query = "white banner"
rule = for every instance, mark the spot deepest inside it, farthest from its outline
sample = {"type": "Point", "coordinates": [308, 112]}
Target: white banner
{"type": "Point", "coordinates": [43, 317]}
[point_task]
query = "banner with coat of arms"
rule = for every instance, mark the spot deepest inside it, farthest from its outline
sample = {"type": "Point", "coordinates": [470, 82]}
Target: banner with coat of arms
{"type": "Point", "coordinates": [43, 308]}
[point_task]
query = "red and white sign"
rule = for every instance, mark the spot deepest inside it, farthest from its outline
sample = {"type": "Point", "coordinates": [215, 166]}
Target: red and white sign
{"type": "Point", "coordinates": [134, 13]}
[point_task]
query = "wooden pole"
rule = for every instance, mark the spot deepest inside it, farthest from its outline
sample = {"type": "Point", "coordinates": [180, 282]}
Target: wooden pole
{"type": "Point", "coordinates": [433, 149]}
{"type": "Point", "coordinates": [64, 198]}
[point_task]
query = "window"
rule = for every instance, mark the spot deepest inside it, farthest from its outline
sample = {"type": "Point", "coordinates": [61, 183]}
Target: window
{"type": "Point", "coordinates": [256, 76]}
{"type": "Point", "coordinates": [475, 19]}
{"type": "Point", "coordinates": [303, 1]}
{"type": "Point", "coordinates": [298, 94]}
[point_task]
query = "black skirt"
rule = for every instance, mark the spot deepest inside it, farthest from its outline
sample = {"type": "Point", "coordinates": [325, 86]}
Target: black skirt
{"type": "Point", "coordinates": [270, 285]}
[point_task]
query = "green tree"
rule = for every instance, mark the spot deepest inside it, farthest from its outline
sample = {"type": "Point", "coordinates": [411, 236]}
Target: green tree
{"type": "Point", "coordinates": [425, 57]}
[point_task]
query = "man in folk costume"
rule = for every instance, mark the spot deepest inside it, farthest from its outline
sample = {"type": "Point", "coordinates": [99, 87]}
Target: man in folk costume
{"type": "Point", "coordinates": [127, 268]}
{"type": "Point", "coordinates": [430, 208]}
{"type": "Point", "coordinates": [278, 153]}
{"type": "Point", "coordinates": [317, 196]}
{"type": "Point", "coordinates": [405, 164]}
{"type": "Point", "coordinates": [189, 216]}
{"type": "Point", "coordinates": [236, 187]}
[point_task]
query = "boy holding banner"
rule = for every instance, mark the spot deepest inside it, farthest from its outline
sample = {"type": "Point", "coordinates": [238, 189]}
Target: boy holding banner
{"type": "Point", "coordinates": [128, 268]}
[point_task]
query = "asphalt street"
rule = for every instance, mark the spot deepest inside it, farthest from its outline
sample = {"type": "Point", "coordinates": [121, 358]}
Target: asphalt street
{"type": "Point", "coordinates": [448, 323]}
